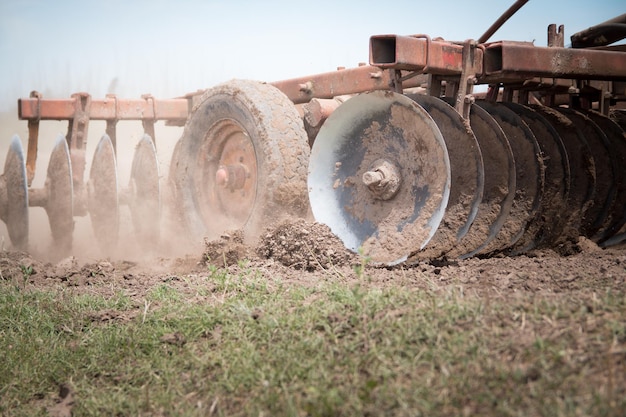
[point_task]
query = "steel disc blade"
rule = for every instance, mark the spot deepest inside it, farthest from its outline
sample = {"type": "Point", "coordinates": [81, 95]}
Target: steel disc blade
{"type": "Point", "coordinates": [103, 195]}
{"type": "Point", "coordinates": [619, 117]}
{"type": "Point", "coordinates": [467, 176]}
{"type": "Point", "coordinates": [606, 168]}
{"type": "Point", "coordinates": [499, 188]}
{"type": "Point", "coordinates": [548, 224]}
{"type": "Point", "coordinates": [145, 198]}
{"type": "Point", "coordinates": [14, 202]}
{"type": "Point", "coordinates": [364, 130]}
{"type": "Point", "coordinates": [617, 138]}
{"type": "Point", "coordinates": [529, 175]}
{"type": "Point", "coordinates": [582, 169]}
{"type": "Point", "coordinates": [60, 197]}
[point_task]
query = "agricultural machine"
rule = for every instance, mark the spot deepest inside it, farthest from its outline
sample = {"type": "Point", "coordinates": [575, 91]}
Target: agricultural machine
{"type": "Point", "coordinates": [404, 158]}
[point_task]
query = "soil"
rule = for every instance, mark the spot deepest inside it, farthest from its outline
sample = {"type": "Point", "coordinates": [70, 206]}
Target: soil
{"type": "Point", "coordinates": [305, 253]}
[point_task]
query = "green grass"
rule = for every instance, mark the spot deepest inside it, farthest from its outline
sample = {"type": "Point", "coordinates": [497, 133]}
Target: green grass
{"type": "Point", "coordinates": [253, 346]}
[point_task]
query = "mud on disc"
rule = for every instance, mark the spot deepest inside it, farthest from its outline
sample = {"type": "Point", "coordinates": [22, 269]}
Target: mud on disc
{"type": "Point", "coordinates": [145, 198]}
{"type": "Point", "coordinates": [60, 197]}
{"type": "Point", "coordinates": [499, 189]}
{"type": "Point", "coordinates": [14, 195]}
{"type": "Point", "coordinates": [529, 176]}
{"type": "Point", "coordinates": [369, 135]}
{"type": "Point", "coordinates": [467, 176]}
{"type": "Point", "coordinates": [103, 195]}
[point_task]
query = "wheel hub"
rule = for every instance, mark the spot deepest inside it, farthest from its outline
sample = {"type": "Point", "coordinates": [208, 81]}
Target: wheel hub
{"type": "Point", "coordinates": [228, 166]}
{"type": "Point", "coordinates": [383, 179]}
{"type": "Point", "coordinates": [232, 177]}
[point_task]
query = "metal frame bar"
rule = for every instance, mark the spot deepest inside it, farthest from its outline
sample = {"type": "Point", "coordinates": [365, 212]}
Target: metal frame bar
{"type": "Point", "coordinates": [110, 108]}
{"type": "Point", "coordinates": [498, 62]}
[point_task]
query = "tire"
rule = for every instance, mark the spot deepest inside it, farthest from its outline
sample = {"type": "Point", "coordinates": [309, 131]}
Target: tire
{"type": "Point", "coordinates": [252, 134]}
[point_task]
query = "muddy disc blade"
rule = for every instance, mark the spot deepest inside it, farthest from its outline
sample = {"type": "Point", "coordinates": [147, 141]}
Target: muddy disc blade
{"type": "Point", "coordinates": [499, 188]}
{"type": "Point", "coordinates": [145, 198]}
{"type": "Point", "coordinates": [103, 195]}
{"type": "Point", "coordinates": [529, 175]}
{"type": "Point", "coordinates": [548, 224]}
{"type": "Point", "coordinates": [467, 176]}
{"type": "Point", "coordinates": [606, 168]}
{"type": "Point", "coordinates": [60, 201]}
{"type": "Point", "coordinates": [379, 176]}
{"type": "Point", "coordinates": [582, 168]}
{"type": "Point", "coordinates": [617, 212]}
{"type": "Point", "coordinates": [619, 117]}
{"type": "Point", "coordinates": [14, 197]}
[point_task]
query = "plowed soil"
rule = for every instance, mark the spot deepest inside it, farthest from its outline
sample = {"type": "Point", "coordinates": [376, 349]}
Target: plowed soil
{"type": "Point", "coordinates": [304, 253]}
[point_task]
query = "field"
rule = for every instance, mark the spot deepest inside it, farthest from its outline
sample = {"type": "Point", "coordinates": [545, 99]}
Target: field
{"type": "Point", "coordinates": [295, 325]}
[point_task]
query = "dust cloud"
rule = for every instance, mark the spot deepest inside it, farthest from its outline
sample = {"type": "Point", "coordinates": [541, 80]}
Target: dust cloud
{"type": "Point", "coordinates": [85, 246]}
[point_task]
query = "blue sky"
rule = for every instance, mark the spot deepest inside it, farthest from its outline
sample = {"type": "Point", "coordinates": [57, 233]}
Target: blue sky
{"type": "Point", "coordinates": [169, 48]}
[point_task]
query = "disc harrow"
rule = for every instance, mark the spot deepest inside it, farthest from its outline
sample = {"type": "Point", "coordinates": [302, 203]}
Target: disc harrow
{"type": "Point", "coordinates": [405, 159]}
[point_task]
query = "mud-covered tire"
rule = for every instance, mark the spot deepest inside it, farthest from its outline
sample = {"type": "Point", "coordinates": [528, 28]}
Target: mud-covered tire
{"type": "Point", "coordinates": [255, 131]}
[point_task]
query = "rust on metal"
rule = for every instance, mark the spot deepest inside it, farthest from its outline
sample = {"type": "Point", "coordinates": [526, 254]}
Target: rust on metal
{"type": "Point", "coordinates": [508, 60]}
{"type": "Point", "coordinates": [77, 141]}
{"type": "Point", "coordinates": [33, 143]}
{"type": "Point", "coordinates": [109, 108]}
{"type": "Point", "coordinates": [147, 121]}
{"type": "Point", "coordinates": [418, 53]}
{"type": "Point", "coordinates": [603, 34]}
{"type": "Point", "coordinates": [501, 20]}
{"type": "Point", "coordinates": [338, 83]}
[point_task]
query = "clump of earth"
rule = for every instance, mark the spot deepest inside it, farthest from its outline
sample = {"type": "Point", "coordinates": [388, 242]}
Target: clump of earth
{"type": "Point", "coordinates": [228, 250]}
{"type": "Point", "coordinates": [304, 253]}
{"type": "Point", "coordinates": [302, 245]}
{"type": "Point", "coordinates": [296, 244]}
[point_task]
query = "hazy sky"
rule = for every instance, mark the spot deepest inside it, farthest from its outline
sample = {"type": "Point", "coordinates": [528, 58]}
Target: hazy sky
{"type": "Point", "coordinates": [169, 48]}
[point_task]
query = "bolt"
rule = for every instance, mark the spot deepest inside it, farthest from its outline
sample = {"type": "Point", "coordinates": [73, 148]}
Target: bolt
{"type": "Point", "coordinates": [383, 179]}
{"type": "Point", "coordinates": [469, 99]}
{"type": "Point", "coordinates": [232, 177]}
{"type": "Point", "coordinates": [221, 177]}
{"type": "Point", "coordinates": [376, 75]}
{"type": "Point", "coordinates": [306, 87]}
{"type": "Point", "coordinates": [373, 178]}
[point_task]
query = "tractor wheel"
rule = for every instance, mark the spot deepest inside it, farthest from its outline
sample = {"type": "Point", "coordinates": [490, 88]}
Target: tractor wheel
{"type": "Point", "coordinates": [241, 162]}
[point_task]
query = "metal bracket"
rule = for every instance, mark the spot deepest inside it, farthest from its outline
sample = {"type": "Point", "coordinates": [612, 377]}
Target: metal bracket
{"type": "Point", "coordinates": [111, 129]}
{"type": "Point", "coordinates": [464, 97]}
{"type": "Point", "coordinates": [77, 140]}
{"type": "Point", "coordinates": [148, 122]}
{"type": "Point", "coordinates": [396, 80]}
{"type": "Point", "coordinates": [556, 38]}
{"type": "Point", "coordinates": [33, 140]}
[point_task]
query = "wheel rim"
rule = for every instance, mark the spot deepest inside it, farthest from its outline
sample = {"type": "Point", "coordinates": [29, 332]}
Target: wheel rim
{"type": "Point", "coordinates": [227, 166]}
{"type": "Point", "coordinates": [369, 128]}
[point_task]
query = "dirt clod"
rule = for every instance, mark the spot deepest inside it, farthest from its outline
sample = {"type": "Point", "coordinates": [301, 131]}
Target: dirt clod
{"type": "Point", "coordinates": [302, 245]}
{"type": "Point", "coordinates": [228, 250]}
